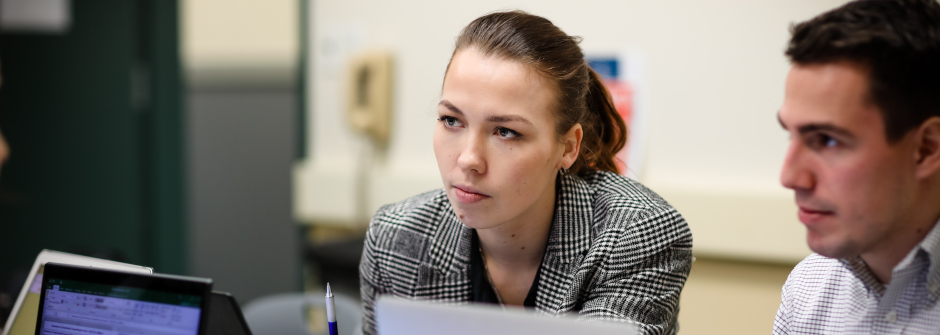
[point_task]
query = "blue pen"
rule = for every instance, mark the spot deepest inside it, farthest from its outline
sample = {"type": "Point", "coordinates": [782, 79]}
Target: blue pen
{"type": "Point", "coordinates": [330, 311]}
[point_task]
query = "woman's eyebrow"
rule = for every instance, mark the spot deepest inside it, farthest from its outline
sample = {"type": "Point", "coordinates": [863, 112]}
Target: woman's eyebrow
{"type": "Point", "coordinates": [507, 118]}
{"type": "Point", "coordinates": [493, 118]}
{"type": "Point", "coordinates": [450, 106]}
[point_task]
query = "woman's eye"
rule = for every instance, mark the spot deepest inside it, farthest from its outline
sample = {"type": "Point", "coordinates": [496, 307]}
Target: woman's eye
{"type": "Point", "coordinates": [449, 121]}
{"type": "Point", "coordinates": [506, 132]}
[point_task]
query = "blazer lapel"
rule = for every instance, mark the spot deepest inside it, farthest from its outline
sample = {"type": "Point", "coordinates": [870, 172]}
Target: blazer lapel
{"type": "Point", "coordinates": [568, 243]}
{"type": "Point", "coordinates": [442, 274]}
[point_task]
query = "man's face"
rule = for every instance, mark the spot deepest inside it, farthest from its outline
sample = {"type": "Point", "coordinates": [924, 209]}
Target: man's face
{"type": "Point", "coordinates": [854, 190]}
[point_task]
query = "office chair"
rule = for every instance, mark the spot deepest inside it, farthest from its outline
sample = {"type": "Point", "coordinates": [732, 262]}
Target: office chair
{"type": "Point", "coordinates": [302, 314]}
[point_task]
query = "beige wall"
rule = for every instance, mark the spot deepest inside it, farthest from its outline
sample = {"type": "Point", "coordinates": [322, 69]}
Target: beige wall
{"type": "Point", "coordinates": [725, 297]}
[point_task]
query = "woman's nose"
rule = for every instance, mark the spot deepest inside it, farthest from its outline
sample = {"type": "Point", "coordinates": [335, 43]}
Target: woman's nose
{"type": "Point", "coordinates": [472, 156]}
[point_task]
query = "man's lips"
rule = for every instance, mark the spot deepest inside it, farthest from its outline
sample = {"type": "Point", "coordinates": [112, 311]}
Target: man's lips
{"type": "Point", "coordinates": [811, 216]}
{"type": "Point", "coordinates": [468, 195]}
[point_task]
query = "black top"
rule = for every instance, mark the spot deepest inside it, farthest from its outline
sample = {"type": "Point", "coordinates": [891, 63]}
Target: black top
{"type": "Point", "coordinates": [480, 286]}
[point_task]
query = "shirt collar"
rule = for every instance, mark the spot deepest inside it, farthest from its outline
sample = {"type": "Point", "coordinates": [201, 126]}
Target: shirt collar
{"type": "Point", "coordinates": [858, 267]}
{"type": "Point", "coordinates": [930, 246]}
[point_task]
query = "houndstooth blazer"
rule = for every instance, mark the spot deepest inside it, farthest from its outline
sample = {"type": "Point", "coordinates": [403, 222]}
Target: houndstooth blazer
{"type": "Point", "coordinates": [616, 251]}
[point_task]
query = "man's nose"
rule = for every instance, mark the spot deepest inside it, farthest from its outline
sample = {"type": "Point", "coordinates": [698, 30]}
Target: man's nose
{"type": "Point", "coordinates": [795, 173]}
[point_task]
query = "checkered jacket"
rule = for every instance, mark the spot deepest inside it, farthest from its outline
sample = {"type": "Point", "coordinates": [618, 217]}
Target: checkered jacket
{"type": "Point", "coordinates": [616, 251]}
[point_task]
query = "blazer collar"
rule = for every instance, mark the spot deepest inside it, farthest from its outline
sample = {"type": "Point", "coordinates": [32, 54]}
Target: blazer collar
{"type": "Point", "coordinates": [568, 243]}
{"type": "Point", "coordinates": [568, 240]}
{"type": "Point", "coordinates": [450, 243]}
{"type": "Point", "coordinates": [570, 235]}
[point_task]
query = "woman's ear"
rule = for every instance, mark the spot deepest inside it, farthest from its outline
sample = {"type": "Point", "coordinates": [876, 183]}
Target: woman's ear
{"type": "Point", "coordinates": [927, 155]}
{"type": "Point", "coordinates": [572, 145]}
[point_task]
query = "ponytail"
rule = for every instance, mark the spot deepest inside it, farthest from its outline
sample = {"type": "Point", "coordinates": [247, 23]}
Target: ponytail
{"type": "Point", "coordinates": [605, 132]}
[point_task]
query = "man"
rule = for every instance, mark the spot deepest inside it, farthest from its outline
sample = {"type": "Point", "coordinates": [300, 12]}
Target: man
{"type": "Point", "coordinates": [862, 108]}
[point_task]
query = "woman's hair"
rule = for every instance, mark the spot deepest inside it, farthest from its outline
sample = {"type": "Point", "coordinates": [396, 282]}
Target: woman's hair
{"type": "Point", "coordinates": [580, 95]}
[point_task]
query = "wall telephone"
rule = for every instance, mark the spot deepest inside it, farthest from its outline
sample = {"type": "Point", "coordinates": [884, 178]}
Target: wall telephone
{"type": "Point", "coordinates": [369, 95]}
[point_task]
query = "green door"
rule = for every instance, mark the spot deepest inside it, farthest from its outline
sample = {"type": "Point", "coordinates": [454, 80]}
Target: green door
{"type": "Point", "coordinates": [92, 119]}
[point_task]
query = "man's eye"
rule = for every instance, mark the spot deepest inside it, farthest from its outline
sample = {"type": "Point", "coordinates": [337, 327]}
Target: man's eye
{"type": "Point", "coordinates": [506, 132]}
{"type": "Point", "coordinates": [822, 141]}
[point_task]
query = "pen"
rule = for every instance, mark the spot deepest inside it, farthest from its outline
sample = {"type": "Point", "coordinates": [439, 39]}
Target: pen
{"type": "Point", "coordinates": [330, 311]}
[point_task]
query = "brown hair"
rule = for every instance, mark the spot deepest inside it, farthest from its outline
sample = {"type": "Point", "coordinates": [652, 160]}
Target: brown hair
{"type": "Point", "coordinates": [898, 41]}
{"type": "Point", "coordinates": [581, 96]}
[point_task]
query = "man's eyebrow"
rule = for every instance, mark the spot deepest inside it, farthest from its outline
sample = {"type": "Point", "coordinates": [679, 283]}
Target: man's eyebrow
{"type": "Point", "coordinates": [814, 127]}
{"type": "Point", "coordinates": [450, 106]}
{"type": "Point", "coordinates": [827, 127]}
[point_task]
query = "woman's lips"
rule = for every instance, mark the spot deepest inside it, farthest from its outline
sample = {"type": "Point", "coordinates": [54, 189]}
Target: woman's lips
{"type": "Point", "coordinates": [468, 195]}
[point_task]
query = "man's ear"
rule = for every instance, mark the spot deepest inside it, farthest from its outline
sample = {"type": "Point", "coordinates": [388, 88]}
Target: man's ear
{"type": "Point", "coordinates": [927, 156]}
{"type": "Point", "coordinates": [572, 144]}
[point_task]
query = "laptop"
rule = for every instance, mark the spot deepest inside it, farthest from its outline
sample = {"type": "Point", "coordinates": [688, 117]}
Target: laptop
{"type": "Point", "coordinates": [398, 316]}
{"type": "Point", "coordinates": [83, 300]}
{"type": "Point", "coordinates": [22, 319]}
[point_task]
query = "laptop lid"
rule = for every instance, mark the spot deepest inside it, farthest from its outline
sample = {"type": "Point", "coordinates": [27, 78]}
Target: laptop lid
{"type": "Point", "coordinates": [83, 300]}
{"type": "Point", "coordinates": [397, 316]}
{"type": "Point", "coordinates": [22, 319]}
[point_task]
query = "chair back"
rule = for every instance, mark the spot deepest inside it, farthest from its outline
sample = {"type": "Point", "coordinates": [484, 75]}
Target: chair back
{"type": "Point", "coordinates": [301, 314]}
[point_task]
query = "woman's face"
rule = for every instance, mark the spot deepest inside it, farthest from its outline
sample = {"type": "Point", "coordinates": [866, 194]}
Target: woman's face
{"type": "Point", "coordinates": [495, 141]}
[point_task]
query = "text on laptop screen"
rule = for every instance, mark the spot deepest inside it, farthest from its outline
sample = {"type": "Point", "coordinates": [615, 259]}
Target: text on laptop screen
{"type": "Point", "coordinates": [74, 307]}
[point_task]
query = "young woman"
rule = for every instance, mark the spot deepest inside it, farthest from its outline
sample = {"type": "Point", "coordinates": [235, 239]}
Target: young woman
{"type": "Point", "coordinates": [532, 212]}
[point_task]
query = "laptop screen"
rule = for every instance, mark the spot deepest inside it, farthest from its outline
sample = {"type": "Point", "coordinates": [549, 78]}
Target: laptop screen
{"type": "Point", "coordinates": [112, 305]}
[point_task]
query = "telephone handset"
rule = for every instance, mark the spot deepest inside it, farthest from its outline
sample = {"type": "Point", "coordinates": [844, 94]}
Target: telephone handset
{"type": "Point", "coordinates": [369, 95]}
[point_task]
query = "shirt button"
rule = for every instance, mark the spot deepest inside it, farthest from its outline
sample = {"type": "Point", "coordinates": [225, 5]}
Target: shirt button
{"type": "Point", "coordinates": [891, 317]}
